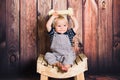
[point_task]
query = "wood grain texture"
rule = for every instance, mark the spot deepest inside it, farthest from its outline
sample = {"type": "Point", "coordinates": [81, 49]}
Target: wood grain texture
{"type": "Point", "coordinates": [77, 9]}
{"type": "Point", "coordinates": [116, 35]}
{"type": "Point", "coordinates": [105, 35]}
{"type": "Point", "coordinates": [28, 34]}
{"type": "Point", "coordinates": [54, 72]}
{"type": "Point", "coordinates": [43, 77]}
{"type": "Point", "coordinates": [59, 4]}
{"type": "Point", "coordinates": [12, 34]}
{"type": "Point", "coordinates": [3, 55]}
{"type": "Point", "coordinates": [80, 77]}
{"type": "Point", "coordinates": [43, 39]}
{"type": "Point", "coordinates": [90, 33]}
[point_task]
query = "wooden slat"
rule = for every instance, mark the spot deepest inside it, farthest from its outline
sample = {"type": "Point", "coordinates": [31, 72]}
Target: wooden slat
{"type": "Point", "coordinates": [80, 77]}
{"type": "Point", "coordinates": [77, 8]}
{"type": "Point", "coordinates": [44, 62]}
{"type": "Point", "coordinates": [105, 35]}
{"type": "Point", "coordinates": [43, 77]}
{"type": "Point", "coordinates": [3, 55]}
{"type": "Point", "coordinates": [12, 34]}
{"type": "Point", "coordinates": [43, 40]}
{"type": "Point", "coordinates": [78, 59]}
{"type": "Point", "coordinates": [40, 58]}
{"type": "Point", "coordinates": [90, 33]}
{"type": "Point", "coordinates": [59, 4]}
{"type": "Point", "coordinates": [116, 35]}
{"type": "Point", "coordinates": [82, 56]}
{"type": "Point", "coordinates": [28, 34]}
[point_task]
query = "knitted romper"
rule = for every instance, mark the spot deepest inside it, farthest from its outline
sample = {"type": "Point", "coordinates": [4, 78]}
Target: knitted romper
{"type": "Point", "coordinates": [61, 50]}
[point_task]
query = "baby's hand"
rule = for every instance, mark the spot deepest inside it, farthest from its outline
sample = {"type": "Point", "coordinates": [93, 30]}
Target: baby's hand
{"type": "Point", "coordinates": [72, 15]}
{"type": "Point", "coordinates": [55, 14]}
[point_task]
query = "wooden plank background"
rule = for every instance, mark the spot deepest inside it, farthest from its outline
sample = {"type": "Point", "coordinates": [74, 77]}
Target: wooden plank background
{"type": "Point", "coordinates": [90, 33]}
{"type": "Point", "coordinates": [105, 35]}
{"type": "Point", "coordinates": [3, 57]}
{"type": "Point", "coordinates": [12, 34]}
{"type": "Point", "coordinates": [23, 35]}
{"type": "Point", "coordinates": [43, 39]}
{"type": "Point", "coordinates": [28, 31]}
{"type": "Point", "coordinates": [116, 35]}
{"type": "Point", "coordinates": [77, 8]}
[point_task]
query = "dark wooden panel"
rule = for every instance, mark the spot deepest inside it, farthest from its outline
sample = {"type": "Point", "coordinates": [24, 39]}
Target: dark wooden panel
{"type": "Point", "coordinates": [28, 33]}
{"type": "Point", "coordinates": [77, 8]}
{"type": "Point", "coordinates": [12, 34]}
{"type": "Point", "coordinates": [116, 35]}
{"type": "Point", "coordinates": [105, 35]}
{"type": "Point", "coordinates": [90, 33]}
{"type": "Point", "coordinates": [3, 55]}
{"type": "Point", "coordinates": [43, 39]}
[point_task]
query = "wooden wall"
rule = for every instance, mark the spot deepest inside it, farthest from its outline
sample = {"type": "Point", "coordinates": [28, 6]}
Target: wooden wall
{"type": "Point", "coordinates": [3, 57]}
{"type": "Point", "coordinates": [28, 34]}
{"type": "Point", "coordinates": [98, 34]}
{"type": "Point", "coordinates": [18, 36]}
{"type": "Point", "coordinates": [116, 35]}
{"type": "Point", "coordinates": [23, 35]}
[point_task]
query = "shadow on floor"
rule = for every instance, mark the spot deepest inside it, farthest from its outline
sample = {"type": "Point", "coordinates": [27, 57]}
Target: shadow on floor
{"type": "Point", "coordinates": [37, 77]}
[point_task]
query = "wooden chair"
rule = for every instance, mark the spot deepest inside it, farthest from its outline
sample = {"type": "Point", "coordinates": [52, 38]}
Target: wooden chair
{"type": "Point", "coordinates": [76, 71]}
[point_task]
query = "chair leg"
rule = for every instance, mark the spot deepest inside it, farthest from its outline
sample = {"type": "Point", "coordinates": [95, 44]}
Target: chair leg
{"type": "Point", "coordinates": [80, 76]}
{"type": "Point", "coordinates": [43, 77]}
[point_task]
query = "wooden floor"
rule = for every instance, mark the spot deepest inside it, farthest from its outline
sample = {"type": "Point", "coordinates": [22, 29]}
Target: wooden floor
{"type": "Point", "coordinates": [103, 77]}
{"type": "Point", "coordinates": [87, 77]}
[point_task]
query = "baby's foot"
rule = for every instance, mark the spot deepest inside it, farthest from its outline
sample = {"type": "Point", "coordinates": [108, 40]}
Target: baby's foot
{"type": "Point", "coordinates": [62, 67]}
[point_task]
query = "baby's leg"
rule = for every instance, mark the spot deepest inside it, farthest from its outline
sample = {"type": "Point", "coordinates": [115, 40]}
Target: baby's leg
{"type": "Point", "coordinates": [50, 58]}
{"type": "Point", "coordinates": [69, 59]}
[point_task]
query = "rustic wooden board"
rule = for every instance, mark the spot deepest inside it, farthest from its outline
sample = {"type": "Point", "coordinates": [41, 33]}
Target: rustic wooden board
{"type": "Point", "coordinates": [3, 55]}
{"type": "Point", "coordinates": [59, 4]}
{"type": "Point", "coordinates": [28, 33]}
{"type": "Point", "coordinates": [105, 35]}
{"type": "Point", "coordinates": [43, 38]}
{"type": "Point", "coordinates": [12, 34]}
{"type": "Point", "coordinates": [77, 8]}
{"type": "Point", "coordinates": [90, 33]}
{"type": "Point", "coordinates": [116, 35]}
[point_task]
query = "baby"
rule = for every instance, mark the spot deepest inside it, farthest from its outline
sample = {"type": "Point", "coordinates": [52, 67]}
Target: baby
{"type": "Point", "coordinates": [62, 54]}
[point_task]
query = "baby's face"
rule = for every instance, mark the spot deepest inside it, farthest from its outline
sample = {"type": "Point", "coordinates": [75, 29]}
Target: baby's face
{"type": "Point", "coordinates": [61, 26]}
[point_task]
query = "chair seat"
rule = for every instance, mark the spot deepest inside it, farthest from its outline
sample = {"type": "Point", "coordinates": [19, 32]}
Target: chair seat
{"type": "Point", "coordinates": [80, 65]}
